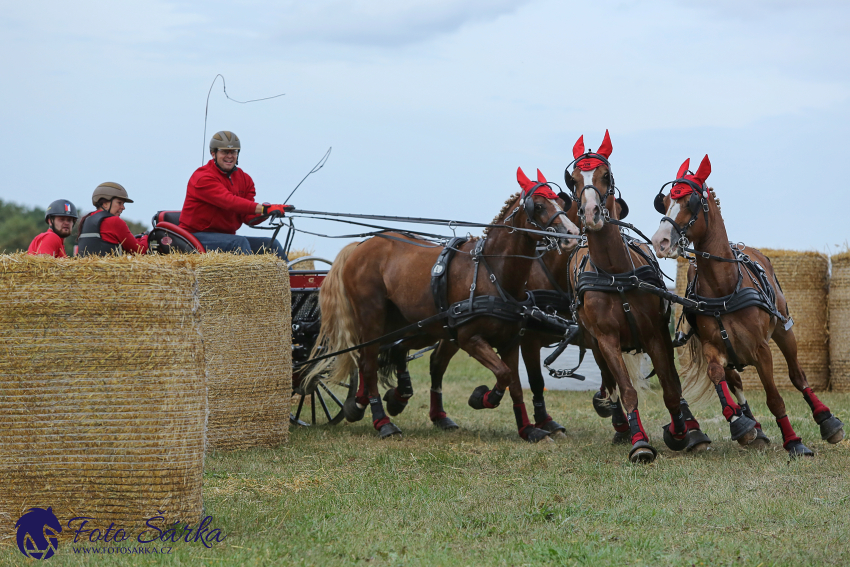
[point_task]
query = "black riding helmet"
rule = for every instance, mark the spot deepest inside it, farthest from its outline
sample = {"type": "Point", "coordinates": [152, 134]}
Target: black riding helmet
{"type": "Point", "coordinates": [61, 208]}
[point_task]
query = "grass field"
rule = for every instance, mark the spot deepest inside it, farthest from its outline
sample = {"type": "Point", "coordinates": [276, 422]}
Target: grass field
{"type": "Point", "coordinates": [482, 496]}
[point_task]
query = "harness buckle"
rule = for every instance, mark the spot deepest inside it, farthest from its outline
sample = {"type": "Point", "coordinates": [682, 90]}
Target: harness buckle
{"type": "Point", "coordinates": [705, 205]}
{"type": "Point", "coordinates": [493, 278]}
{"type": "Point", "coordinates": [626, 307]}
{"type": "Point", "coordinates": [472, 287]}
{"type": "Point", "coordinates": [522, 332]}
{"type": "Point", "coordinates": [724, 335]}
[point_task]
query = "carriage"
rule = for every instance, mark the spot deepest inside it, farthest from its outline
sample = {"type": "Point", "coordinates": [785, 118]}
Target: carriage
{"type": "Point", "coordinates": [320, 402]}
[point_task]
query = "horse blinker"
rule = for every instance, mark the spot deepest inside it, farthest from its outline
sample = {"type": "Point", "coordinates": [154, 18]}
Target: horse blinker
{"type": "Point", "coordinates": [624, 208]}
{"type": "Point", "coordinates": [568, 200]}
{"type": "Point", "coordinates": [659, 204]}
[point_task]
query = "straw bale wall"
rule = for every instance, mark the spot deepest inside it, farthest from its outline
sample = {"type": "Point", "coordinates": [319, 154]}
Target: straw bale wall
{"type": "Point", "coordinates": [839, 323]}
{"type": "Point", "coordinates": [102, 390]}
{"type": "Point", "coordinates": [245, 321]}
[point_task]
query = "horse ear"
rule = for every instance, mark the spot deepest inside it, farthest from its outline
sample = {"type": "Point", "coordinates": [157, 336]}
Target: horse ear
{"type": "Point", "coordinates": [540, 178]}
{"type": "Point", "coordinates": [684, 169]}
{"type": "Point", "coordinates": [523, 180]}
{"type": "Point", "coordinates": [606, 148]}
{"type": "Point", "coordinates": [704, 170]}
{"type": "Point", "coordinates": [578, 149]}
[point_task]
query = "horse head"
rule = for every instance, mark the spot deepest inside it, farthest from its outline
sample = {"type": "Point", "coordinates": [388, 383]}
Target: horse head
{"type": "Point", "coordinates": [685, 208]}
{"type": "Point", "coordinates": [593, 184]}
{"type": "Point", "coordinates": [538, 208]}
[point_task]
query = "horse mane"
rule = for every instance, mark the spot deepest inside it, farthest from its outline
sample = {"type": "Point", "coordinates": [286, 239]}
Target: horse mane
{"type": "Point", "coordinates": [714, 196]}
{"type": "Point", "coordinates": [511, 200]}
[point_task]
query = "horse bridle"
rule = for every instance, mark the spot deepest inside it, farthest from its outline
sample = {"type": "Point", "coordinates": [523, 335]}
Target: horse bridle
{"type": "Point", "coordinates": [603, 199]}
{"type": "Point", "coordinates": [698, 200]}
{"type": "Point", "coordinates": [528, 206]}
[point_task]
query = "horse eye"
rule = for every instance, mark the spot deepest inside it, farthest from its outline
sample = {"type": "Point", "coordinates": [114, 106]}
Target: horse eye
{"type": "Point", "coordinates": [538, 207]}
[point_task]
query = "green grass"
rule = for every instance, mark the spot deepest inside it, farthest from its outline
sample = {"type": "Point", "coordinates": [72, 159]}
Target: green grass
{"type": "Point", "coordinates": [482, 496]}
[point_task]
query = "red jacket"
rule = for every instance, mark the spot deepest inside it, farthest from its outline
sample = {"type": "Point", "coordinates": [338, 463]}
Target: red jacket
{"type": "Point", "coordinates": [48, 243]}
{"type": "Point", "coordinates": [218, 203]}
{"type": "Point", "coordinates": [115, 231]}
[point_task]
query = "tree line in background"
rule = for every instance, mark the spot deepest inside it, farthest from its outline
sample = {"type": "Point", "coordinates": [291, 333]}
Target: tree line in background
{"type": "Point", "coordinates": [20, 224]}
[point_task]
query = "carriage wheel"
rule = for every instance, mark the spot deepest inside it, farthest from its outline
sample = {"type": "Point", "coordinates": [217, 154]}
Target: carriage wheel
{"type": "Point", "coordinates": [321, 403]}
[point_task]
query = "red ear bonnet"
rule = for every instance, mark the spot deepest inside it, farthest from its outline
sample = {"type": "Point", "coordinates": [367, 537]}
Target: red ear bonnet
{"type": "Point", "coordinates": [679, 190]}
{"type": "Point", "coordinates": [527, 185]}
{"type": "Point", "coordinates": [590, 164]}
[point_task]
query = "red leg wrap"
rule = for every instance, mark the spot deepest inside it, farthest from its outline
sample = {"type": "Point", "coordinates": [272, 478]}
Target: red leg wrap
{"type": "Point", "coordinates": [488, 404]}
{"type": "Point", "coordinates": [540, 424]}
{"type": "Point", "coordinates": [788, 434]}
{"type": "Point", "coordinates": [818, 407]}
{"type": "Point", "coordinates": [436, 411]}
{"type": "Point", "coordinates": [673, 431]}
{"type": "Point", "coordinates": [379, 423]}
{"type": "Point", "coordinates": [399, 397]}
{"type": "Point", "coordinates": [692, 424]}
{"type": "Point", "coordinates": [361, 398]}
{"type": "Point", "coordinates": [522, 422]}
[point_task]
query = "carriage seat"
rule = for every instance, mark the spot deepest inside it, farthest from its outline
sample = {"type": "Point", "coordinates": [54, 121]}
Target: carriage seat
{"type": "Point", "coordinates": [172, 217]}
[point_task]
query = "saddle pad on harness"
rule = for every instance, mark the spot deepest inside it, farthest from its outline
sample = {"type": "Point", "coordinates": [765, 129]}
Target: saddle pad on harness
{"type": "Point", "coordinates": [439, 273]}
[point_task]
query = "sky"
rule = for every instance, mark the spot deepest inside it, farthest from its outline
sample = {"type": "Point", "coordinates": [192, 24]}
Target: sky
{"type": "Point", "coordinates": [430, 106]}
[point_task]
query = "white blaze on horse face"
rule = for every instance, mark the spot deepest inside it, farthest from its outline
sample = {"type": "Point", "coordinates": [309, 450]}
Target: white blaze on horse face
{"type": "Point", "coordinates": [565, 222]}
{"type": "Point", "coordinates": [591, 199]}
{"type": "Point", "coordinates": [665, 233]}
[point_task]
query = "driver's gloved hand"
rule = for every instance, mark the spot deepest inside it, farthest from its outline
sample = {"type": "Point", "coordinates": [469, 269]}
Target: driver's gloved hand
{"type": "Point", "coordinates": [277, 210]}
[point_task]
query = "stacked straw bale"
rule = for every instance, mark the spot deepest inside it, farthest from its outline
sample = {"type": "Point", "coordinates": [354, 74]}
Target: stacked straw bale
{"type": "Point", "coordinates": [804, 277]}
{"type": "Point", "coordinates": [245, 322]}
{"type": "Point", "coordinates": [839, 323]}
{"type": "Point", "coordinates": [307, 264]}
{"type": "Point", "coordinates": [102, 391]}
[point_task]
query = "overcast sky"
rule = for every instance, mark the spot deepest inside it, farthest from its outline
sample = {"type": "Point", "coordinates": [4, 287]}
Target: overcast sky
{"type": "Point", "coordinates": [430, 106]}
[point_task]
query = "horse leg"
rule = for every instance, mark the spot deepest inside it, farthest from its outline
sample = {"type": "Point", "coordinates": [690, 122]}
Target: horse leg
{"type": "Point", "coordinates": [482, 397]}
{"type": "Point", "coordinates": [741, 427]}
{"type": "Point", "coordinates": [660, 351]}
{"type": "Point", "coordinates": [369, 372]}
{"type": "Point", "coordinates": [398, 397]}
{"type": "Point", "coordinates": [734, 379]}
{"type": "Point", "coordinates": [606, 401]}
{"type": "Point", "coordinates": [355, 408]}
{"type": "Point", "coordinates": [439, 362]}
{"type": "Point", "coordinates": [831, 428]}
{"type": "Point", "coordinates": [531, 346]}
{"type": "Point", "coordinates": [641, 451]}
{"type": "Point", "coordinates": [790, 440]}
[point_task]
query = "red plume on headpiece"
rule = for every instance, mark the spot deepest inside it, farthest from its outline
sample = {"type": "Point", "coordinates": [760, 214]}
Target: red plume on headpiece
{"type": "Point", "coordinates": [591, 163]}
{"type": "Point", "coordinates": [679, 190]}
{"type": "Point", "coordinates": [527, 185]}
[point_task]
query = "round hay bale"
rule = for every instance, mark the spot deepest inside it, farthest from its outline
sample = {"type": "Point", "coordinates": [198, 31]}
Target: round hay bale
{"type": "Point", "coordinates": [102, 391]}
{"type": "Point", "coordinates": [305, 265]}
{"type": "Point", "coordinates": [804, 278]}
{"type": "Point", "coordinates": [247, 330]}
{"type": "Point", "coordinates": [839, 323]}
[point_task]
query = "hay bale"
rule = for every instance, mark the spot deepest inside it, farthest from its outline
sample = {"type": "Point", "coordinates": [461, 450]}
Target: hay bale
{"type": "Point", "coordinates": [305, 265]}
{"type": "Point", "coordinates": [839, 323]}
{"type": "Point", "coordinates": [681, 284]}
{"type": "Point", "coordinates": [245, 322]}
{"type": "Point", "coordinates": [804, 278]}
{"type": "Point", "coordinates": [102, 392]}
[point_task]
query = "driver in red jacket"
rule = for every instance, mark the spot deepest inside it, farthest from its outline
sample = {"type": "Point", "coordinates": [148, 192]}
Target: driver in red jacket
{"type": "Point", "coordinates": [61, 216]}
{"type": "Point", "coordinates": [220, 198]}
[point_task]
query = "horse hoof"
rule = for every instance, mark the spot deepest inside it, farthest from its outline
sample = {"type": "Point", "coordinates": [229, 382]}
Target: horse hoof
{"type": "Point", "coordinates": [797, 449]}
{"type": "Point", "coordinates": [394, 406]}
{"type": "Point", "coordinates": [832, 430]}
{"type": "Point", "coordinates": [761, 441]}
{"type": "Point", "coordinates": [351, 412]}
{"type": "Point", "coordinates": [533, 435]}
{"type": "Point", "coordinates": [642, 452]}
{"type": "Point", "coordinates": [743, 427]}
{"type": "Point", "coordinates": [552, 427]}
{"type": "Point", "coordinates": [446, 424]}
{"type": "Point", "coordinates": [697, 441]}
{"type": "Point", "coordinates": [389, 430]}
{"type": "Point", "coordinates": [747, 438]}
{"type": "Point", "coordinates": [621, 437]}
{"type": "Point", "coordinates": [602, 405]}
{"type": "Point", "coordinates": [672, 443]}
{"type": "Point", "coordinates": [476, 399]}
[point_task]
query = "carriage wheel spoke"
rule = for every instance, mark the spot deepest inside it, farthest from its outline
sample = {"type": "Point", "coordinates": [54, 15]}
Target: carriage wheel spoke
{"type": "Point", "coordinates": [300, 405]}
{"type": "Point", "coordinates": [313, 407]}
{"type": "Point", "coordinates": [324, 405]}
{"type": "Point", "coordinates": [331, 394]}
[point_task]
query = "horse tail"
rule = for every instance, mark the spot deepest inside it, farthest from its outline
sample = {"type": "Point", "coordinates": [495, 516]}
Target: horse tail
{"type": "Point", "coordinates": [639, 378]}
{"type": "Point", "coordinates": [697, 388]}
{"type": "Point", "coordinates": [339, 327]}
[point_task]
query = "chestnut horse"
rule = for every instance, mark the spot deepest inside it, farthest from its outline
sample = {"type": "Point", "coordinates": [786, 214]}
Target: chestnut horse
{"type": "Point", "coordinates": [741, 307]}
{"type": "Point", "coordinates": [619, 317]}
{"type": "Point", "coordinates": [380, 285]}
